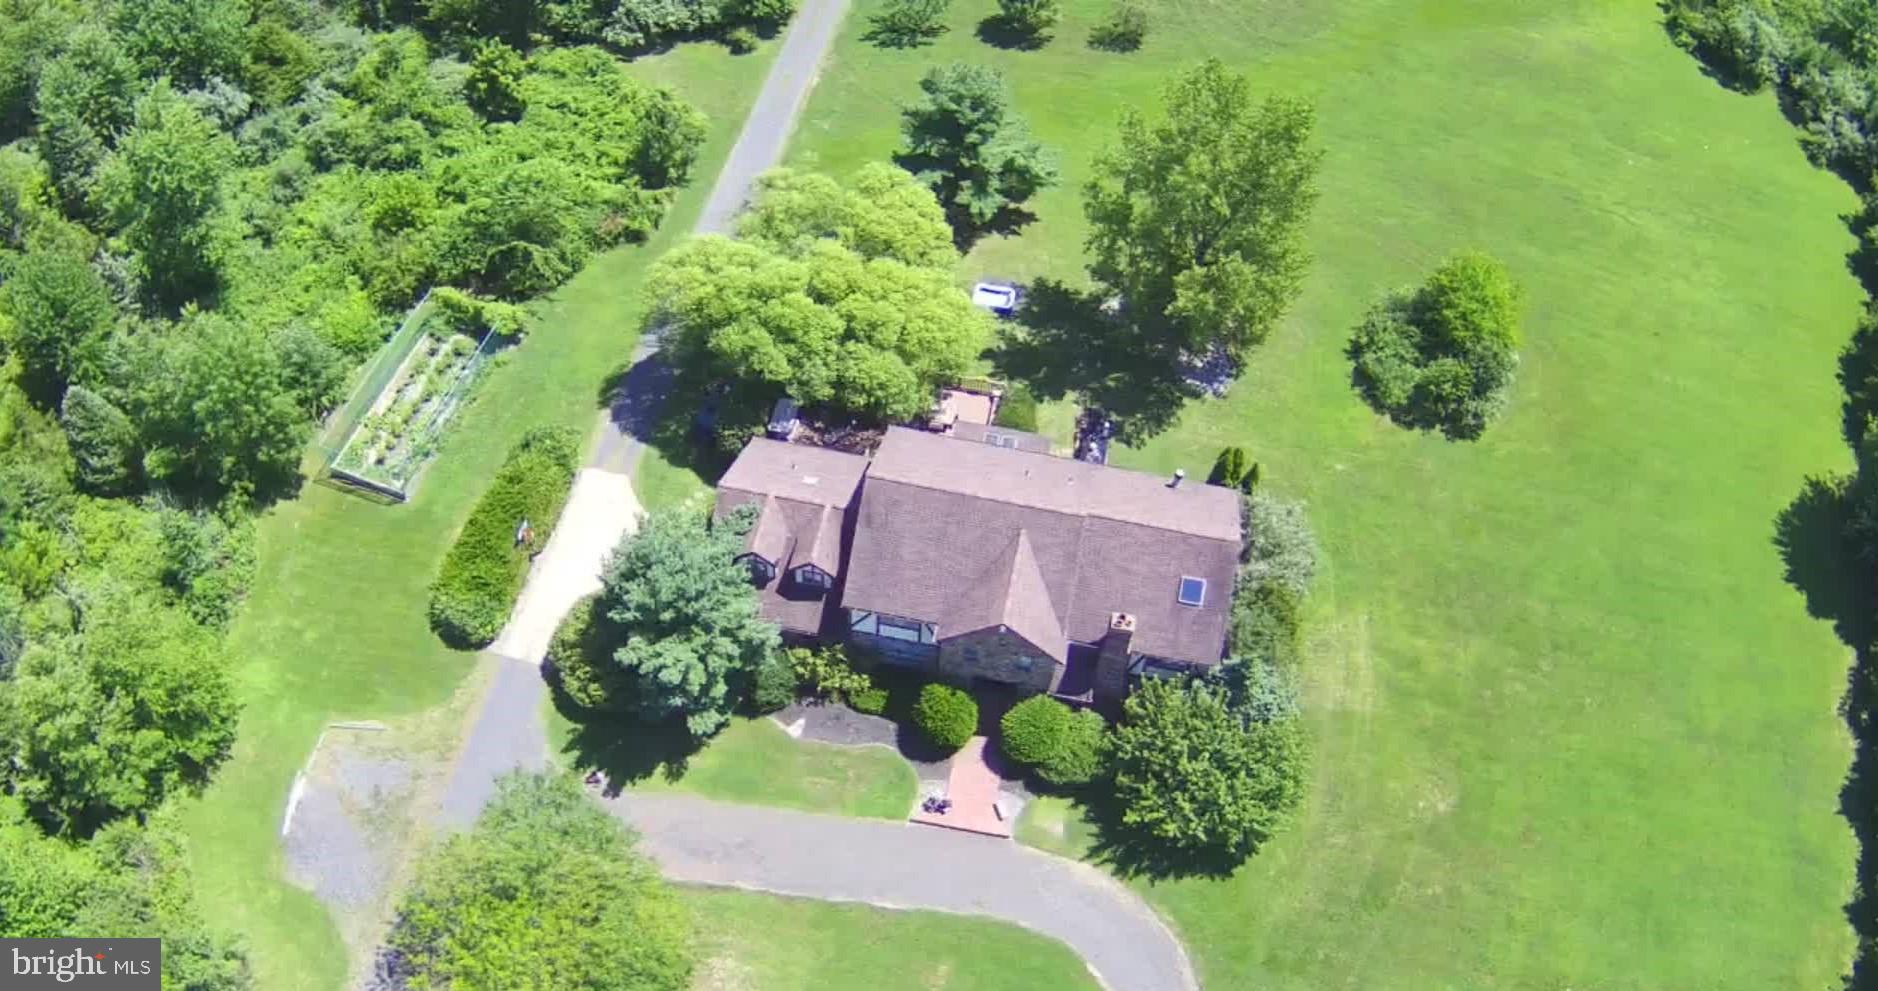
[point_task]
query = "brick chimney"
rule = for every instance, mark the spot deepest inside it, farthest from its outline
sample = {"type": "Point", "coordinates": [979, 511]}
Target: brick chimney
{"type": "Point", "coordinates": [1111, 682]}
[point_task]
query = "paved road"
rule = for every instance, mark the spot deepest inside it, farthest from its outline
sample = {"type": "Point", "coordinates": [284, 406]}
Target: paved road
{"type": "Point", "coordinates": [898, 865]}
{"type": "Point", "coordinates": [627, 423]}
{"type": "Point", "coordinates": [508, 734]}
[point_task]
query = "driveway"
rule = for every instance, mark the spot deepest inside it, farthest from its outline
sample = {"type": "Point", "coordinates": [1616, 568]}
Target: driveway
{"type": "Point", "coordinates": [600, 511]}
{"type": "Point", "coordinates": [896, 865]}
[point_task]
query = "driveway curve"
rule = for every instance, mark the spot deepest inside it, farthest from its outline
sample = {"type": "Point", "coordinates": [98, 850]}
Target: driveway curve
{"type": "Point", "coordinates": [903, 866]}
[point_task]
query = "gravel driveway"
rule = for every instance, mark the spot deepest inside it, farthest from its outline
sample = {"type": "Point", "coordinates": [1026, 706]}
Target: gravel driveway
{"type": "Point", "coordinates": [896, 865]}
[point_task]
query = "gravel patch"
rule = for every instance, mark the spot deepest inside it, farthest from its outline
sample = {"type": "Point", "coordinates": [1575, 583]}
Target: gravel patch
{"type": "Point", "coordinates": [337, 846]}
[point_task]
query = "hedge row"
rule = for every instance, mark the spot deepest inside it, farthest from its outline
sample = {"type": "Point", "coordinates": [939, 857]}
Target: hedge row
{"type": "Point", "coordinates": [483, 572]}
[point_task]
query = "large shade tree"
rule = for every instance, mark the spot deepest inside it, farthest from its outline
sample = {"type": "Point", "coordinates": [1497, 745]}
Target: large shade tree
{"type": "Point", "coordinates": [834, 296]}
{"type": "Point", "coordinates": [545, 892]}
{"type": "Point", "coordinates": [1197, 779]}
{"type": "Point", "coordinates": [134, 704]}
{"type": "Point", "coordinates": [58, 311]}
{"type": "Point", "coordinates": [688, 614]}
{"type": "Point", "coordinates": [1196, 219]}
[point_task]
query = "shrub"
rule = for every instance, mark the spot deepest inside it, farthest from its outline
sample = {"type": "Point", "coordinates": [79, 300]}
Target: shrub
{"type": "Point", "coordinates": [483, 571]}
{"type": "Point", "coordinates": [1229, 469]}
{"type": "Point", "coordinates": [1125, 29]}
{"type": "Point", "coordinates": [1029, 17]}
{"type": "Point", "coordinates": [946, 715]}
{"type": "Point", "coordinates": [908, 23]}
{"type": "Point", "coordinates": [872, 701]}
{"type": "Point", "coordinates": [1280, 548]}
{"type": "Point", "coordinates": [582, 655]}
{"type": "Point", "coordinates": [1032, 731]}
{"type": "Point", "coordinates": [740, 40]}
{"type": "Point", "coordinates": [1018, 409]}
{"type": "Point", "coordinates": [1079, 759]}
{"type": "Point", "coordinates": [774, 685]}
{"type": "Point", "coordinates": [827, 672]}
{"type": "Point", "coordinates": [1442, 356]}
{"type": "Point", "coordinates": [1265, 623]}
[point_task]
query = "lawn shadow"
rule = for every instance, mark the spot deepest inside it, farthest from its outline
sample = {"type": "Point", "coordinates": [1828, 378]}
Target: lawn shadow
{"type": "Point", "coordinates": [633, 395]}
{"type": "Point", "coordinates": [1000, 32]}
{"type": "Point", "coordinates": [891, 36]}
{"type": "Point", "coordinates": [1066, 341]}
{"type": "Point", "coordinates": [618, 745]}
{"type": "Point", "coordinates": [1813, 536]}
{"type": "Point", "coordinates": [1009, 221]}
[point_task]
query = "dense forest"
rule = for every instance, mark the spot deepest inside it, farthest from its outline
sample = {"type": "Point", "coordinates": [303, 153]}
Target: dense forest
{"type": "Point", "coordinates": [211, 212]}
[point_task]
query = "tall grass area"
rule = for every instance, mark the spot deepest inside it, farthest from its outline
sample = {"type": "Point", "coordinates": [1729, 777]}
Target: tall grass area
{"type": "Point", "coordinates": [336, 626]}
{"type": "Point", "coordinates": [1570, 727]}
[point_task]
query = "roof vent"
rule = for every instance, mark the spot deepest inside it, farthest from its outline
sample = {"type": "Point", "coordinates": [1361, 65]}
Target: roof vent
{"type": "Point", "coordinates": [811, 479]}
{"type": "Point", "coordinates": [1192, 591]}
{"type": "Point", "coordinates": [1180, 475]}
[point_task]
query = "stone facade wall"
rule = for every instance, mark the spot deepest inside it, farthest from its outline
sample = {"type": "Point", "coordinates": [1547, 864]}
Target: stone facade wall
{"type": "Point", "coordinates": [998, 656]}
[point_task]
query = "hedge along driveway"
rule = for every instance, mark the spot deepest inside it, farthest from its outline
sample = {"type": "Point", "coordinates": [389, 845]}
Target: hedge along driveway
{"type": "Point", "coordinates": [484, 570]}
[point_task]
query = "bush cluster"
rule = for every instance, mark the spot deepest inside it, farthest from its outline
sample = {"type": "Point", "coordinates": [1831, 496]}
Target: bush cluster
{"type": "Point", "coordinates": [1442, 357]}
{"type": "Point", "coordinates": [774, 685]}
{"type": "Point", "coordinates": [1123, 31]}
{"type": "Point", "coordinates": [483, 571]}
{"type": "Point", "coordinates": [1063, 746]}
{"type": "Point", "coordinates": [946, 715]}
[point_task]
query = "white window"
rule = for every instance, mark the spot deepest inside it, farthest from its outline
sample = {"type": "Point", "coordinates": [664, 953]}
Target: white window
{"type": "Point", "coordinates": [899, 629]}
{"type": "Point", "coordinates": [812, 576]}
{"type": "Point", "coordinates": [1192, 591]}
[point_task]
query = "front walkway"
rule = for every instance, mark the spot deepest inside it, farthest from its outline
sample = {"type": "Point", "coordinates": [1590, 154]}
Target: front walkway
{"type": "Point", "coordinates": [901, 866]}
{"type": "Point", "coordinates": [979, 802]}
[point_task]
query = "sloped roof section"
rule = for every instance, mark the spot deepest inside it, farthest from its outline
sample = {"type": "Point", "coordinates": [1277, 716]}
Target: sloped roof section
{"type": "Point", "coordinates": [1012, 594]}
{"type": "Point", "coordinates": [806, 495]}
{"type": "Point", "coordinates": [938, 517]}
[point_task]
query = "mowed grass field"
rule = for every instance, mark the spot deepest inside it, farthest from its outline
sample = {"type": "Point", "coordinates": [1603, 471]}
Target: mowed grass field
{"type": "Point", "coordinates": [792, 944]}
{"type": "Point", "coordinates": [336, 628]}
{"type": "Point", "coordinates": [1571, 729]}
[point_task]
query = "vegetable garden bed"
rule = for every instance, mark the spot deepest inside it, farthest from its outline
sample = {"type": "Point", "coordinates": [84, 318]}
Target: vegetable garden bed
{"type": "Point", "coordinates": [401, 429]}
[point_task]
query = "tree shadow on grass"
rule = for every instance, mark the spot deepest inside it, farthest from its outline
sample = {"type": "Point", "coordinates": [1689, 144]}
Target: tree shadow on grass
{"type": "Point", "coordinates": [1813, 536]}
{"type": "Point", "coordinates": [618, 745]}
{"type": "Point", "coordinates": [1000, 32]}
{"type": "Point", "coordinates": [1066, 341]}
{"type": "Point", "coordinates": [1132, 856]}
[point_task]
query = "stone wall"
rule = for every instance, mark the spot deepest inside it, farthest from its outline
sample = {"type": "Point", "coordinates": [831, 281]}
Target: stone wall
{"type": "Point", "coordinates": [997, 655]}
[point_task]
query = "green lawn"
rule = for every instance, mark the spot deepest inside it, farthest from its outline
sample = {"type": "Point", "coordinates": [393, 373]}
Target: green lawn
{"type": "Point", "coordinates": [788, 944]}
{"type": "Point", "coordinates": [336, 625]}
{"type": "Point", "coordinates": [1571, 728]}
{"type": "Point", "coordinates": [752, 761]}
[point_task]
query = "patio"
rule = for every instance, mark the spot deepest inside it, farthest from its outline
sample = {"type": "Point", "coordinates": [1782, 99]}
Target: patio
{"type": "Point", "coordinates": [980, 803]}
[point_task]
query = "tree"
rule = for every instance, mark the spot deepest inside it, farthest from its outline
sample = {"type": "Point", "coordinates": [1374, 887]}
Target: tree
{"type": "Point", "coordinates": [1123, 31]}
{"type": "Point", "coordinates": [85, 98]}
{"type": "Point", "coordinates": [1197, 219]}
{"type": "Point", "coordinates": [830, 298]}
{"type": "Point", "coordinates": [1078, 759]}
{"type": "Point", "coordinates": [965, 142]}
{"type": "Point", "coordinates": [1030, 18]}
{"type": "Point", "coordinates": [689, 615]}
{"type": "Point", "coordinates": [545, 891]}
{"type": "Point", "coordinates": [1195, 779]}
{"type": "Point", "coordinates": [908, 23]}
{"type": "Point", "coordinates": [129, 881]}
{"type": "Point", "coordinates": [189, 41]}
{"type": "Point", "coordinates": [1442, 356]}
{"type": "Point", "coordinates": [59, 313]}
{"type": "Point", "coordinates": [160, 188]}
{"type": "Point", "coordinates": [1229, 469]}
{"type": "Point", "coordinates": [103, 441]}
{"type": "Point", "coordinates": [495, 81]}
{"type": "Point", "coordinates": [217, 410]}
{"type": "Point", "coordinates": [135, 704]}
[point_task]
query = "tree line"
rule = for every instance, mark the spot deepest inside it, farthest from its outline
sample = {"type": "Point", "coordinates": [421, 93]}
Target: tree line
{"type": "Point", "coordinates": [211, 211]}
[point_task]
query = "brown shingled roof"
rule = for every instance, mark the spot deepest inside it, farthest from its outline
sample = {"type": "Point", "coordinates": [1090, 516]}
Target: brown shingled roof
{"type": "Point", "coordinates": [805, 494]}
{"type": "Point", "coordinates": [937, 517]}
{"type": "Point", "coordinates": [1012, 594]}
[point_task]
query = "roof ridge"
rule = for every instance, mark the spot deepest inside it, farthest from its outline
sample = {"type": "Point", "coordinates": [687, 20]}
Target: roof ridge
{"type": "Point", "coordinates": [1080, 512]}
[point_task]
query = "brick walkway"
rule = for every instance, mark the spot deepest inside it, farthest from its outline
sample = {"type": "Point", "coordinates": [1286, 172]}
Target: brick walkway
{"type": "Point", "coordinates": [973, 788]}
